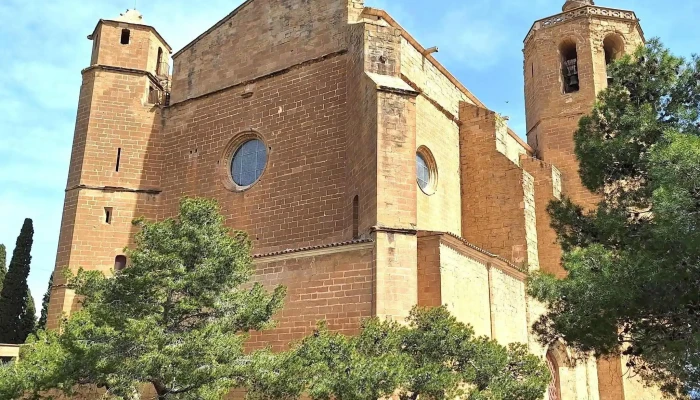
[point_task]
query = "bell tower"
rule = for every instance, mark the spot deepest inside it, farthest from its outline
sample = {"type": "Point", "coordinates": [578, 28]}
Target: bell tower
{"type": "Point", "coordinates": [566, 57]}
{"type": "Point", "coordinates": [114, 173]}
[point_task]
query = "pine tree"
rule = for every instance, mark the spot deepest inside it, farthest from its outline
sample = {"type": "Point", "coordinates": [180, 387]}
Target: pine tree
{"type": "Point", "coordinates": [633, 284]}
{"type": "Point", "coordinates": [14, 296]}
{"type": "Point", "coordinates": [3, 264]}
{"type": "Point", "coordinates": [45, 306]}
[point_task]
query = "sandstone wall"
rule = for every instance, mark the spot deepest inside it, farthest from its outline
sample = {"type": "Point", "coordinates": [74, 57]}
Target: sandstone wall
{"type": "Point", "coordinates": [333, 285]}
{"type": "Point", "coordinates": [258, 38]}
{"type": "Point", "coordinates": [300, 200]}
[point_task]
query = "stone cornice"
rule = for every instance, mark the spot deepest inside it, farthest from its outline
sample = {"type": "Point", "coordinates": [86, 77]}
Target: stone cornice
{"type": "Point", "coordinates": [584, 12]}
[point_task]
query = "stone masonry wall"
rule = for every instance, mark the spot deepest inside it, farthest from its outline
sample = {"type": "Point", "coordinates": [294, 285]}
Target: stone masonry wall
{"type": "Point", "coordinates": [442, 210]}
{"type": "Point", "coordinates": [508, 307]}
{"type": "Point", "coordinates": [333, 286]}
{"type": "Point", "coordinates": [465, 289]}
{"type": "Point", "coordinates": [301, 198]}
{"type": "Point", "coordinates": [492, 190]}
{"type": "Point", "coordinates": [259, 38]}
{"type": "Point", "coordinates": [113, 114]}
{"type": "Point", "coordinates": [141, 53]}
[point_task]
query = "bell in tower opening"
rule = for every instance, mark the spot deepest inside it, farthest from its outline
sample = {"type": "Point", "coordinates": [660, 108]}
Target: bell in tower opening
{"type": "Point", "coordinates": [569, 61]}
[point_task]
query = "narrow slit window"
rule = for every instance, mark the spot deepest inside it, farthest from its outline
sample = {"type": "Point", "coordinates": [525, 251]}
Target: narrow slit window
{"type": "Point", "coordinates": [569, 60]}
{"type": "Point", "coordinates": [356, 217]}
{"type": "Point", "coordinates": [126, 36]}
{"type": "Point", "coordinates": [109, 214]}
{"type": "Point", "coordinates": [119, 263]}
{"type": "Point", "coordinates": [119, 159]}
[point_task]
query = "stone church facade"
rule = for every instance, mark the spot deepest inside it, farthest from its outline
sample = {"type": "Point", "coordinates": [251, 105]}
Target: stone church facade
{"type": "Point", "coordinates": [368, 177]}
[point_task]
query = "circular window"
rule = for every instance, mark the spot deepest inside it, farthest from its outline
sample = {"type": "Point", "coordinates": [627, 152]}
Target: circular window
{"type": "Point", "coordinates": [243, 161]}
{"type": "Point", "coordinates": [426, 171]}
{"type": "Point", "coordinates": [249, 162]}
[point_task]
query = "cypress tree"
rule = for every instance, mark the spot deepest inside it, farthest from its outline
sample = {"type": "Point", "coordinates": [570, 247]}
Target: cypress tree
{"type": "Point", "coordinates": [3, 264]}
{"type": "Point", "coordinates": [45, 307]}
{"type": "Point", "coordinates": [27, 321]}
{"type": "Point", "coordinates": [14, 296]}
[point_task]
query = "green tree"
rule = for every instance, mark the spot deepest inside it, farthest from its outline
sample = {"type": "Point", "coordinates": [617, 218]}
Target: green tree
{"type": "Point", "coordinates": [27, 321]}
{"type": "Point", "coordinates": [14, 298]}
{"type": "Point", "coordinates": [176, 318]}
{"type": "Point", "coordinates": [434, 357]}
{"type": "Point", "coordinates": [3, 264]}
{"type": "Point", "coordinates": [45, 306]}
{"type": "Point", "coordinates": [633, 285]}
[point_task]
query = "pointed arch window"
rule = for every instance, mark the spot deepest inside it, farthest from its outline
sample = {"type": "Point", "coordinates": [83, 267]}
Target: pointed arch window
{"type": "Point", "coordinates": [554, 390]}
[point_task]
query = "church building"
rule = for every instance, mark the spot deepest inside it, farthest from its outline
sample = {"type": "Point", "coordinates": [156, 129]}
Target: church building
{"type": "Point", "coordinates": [369, 179]}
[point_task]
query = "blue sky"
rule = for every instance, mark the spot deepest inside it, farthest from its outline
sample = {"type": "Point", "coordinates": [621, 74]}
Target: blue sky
{"type": "Point", "coordinates": [43, 48]}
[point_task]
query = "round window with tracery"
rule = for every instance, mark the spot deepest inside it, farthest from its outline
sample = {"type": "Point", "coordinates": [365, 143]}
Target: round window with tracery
{"type": "Point", "coordinates": [426, 171]}
{"type": "Point", "coordinates": [249, 162]}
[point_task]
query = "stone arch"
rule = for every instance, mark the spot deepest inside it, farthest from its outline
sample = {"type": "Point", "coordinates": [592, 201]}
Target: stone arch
{"type": "Point", "coordinates": [568, 51]}
{"type": "Point", "coordinates": [613, 47]}
{"type": "Point", "coordinates": [563, 370]}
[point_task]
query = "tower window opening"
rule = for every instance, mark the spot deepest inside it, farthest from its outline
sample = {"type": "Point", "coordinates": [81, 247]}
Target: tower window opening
{"type": "Point", "coordinates": [159, 62]}
{"type": "Point", "coordinates": [126, 36]}
{"type": "Point", "coordinates": [119, 159]}
{"type": "Point", "coordinates": [570, 74]}
{"type": "Point", "coordinates": [109, 213]}
{"type": "Point", "coordinates": [356, 217]}
{"type": "Point", "coordinates": [614, 47]}
{"type": "Point", "coordinates": [119, 263]}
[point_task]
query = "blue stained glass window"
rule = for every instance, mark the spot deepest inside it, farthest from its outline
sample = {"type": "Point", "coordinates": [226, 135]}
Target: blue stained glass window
{"type": "Point", "coordinates": [249, 162]}
{"type": "Point", "coordinates": [423, 173]}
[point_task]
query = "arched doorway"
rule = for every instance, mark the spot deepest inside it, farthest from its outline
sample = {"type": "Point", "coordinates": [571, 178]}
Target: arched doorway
{"type": "Point", "coordinates": [554, 390]}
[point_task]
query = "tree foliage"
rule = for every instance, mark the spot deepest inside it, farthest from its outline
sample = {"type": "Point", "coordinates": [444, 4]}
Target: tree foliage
{"type": "Point", "coordinates": [176, 318]}
{"type": "Point", "coordinates": [433, 357]}
{"type": "Point", "coordinates": [3, 264]}
{"type": "Point", "coordinates": [16, 319]}
{"type": "Point", "coordinates": [45, 306]}
{"type": "Point", "coordinates": [633, 263]}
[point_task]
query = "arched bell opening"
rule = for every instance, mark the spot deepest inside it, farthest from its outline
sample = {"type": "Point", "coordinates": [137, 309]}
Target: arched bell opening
{"type": "Point", "coordinates": [569, 64]}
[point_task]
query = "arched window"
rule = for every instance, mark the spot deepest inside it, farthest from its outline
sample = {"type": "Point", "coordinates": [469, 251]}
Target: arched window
{"type": "Point", "coordinates": [126, 36]}
{"type": "Point", "coordinates": [554, 390]}
{"type": "Point", "coordinates": [356, 217]}
{"type": "Point", "coordinates": [569, 63]}
{"type": "Point", "coordinates": [614, 47]}
{"type": "Point", "coordinates": [159, 62]}
{"type": "Point", "coordinates": [119, 263]}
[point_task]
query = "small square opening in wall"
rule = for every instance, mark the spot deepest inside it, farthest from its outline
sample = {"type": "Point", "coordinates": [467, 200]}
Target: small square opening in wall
{"type": "Point", "coordinates": [109, 215]}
